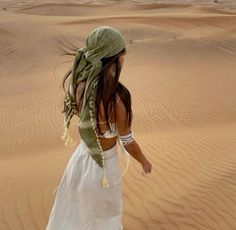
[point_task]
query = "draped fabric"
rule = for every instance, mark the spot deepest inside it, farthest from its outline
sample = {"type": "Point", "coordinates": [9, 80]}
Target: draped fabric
{"type": "Point", "coordinates": [80, 201]}
{"type": "Point", "coordinates": [102, 42]}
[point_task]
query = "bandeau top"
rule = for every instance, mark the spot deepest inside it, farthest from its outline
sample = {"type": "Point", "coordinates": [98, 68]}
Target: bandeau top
{"type": "Point", "coordinates": [108, 133]}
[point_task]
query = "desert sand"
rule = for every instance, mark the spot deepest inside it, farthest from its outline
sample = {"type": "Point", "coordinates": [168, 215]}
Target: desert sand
{"type": "Point", "coordinates": [180, 68]}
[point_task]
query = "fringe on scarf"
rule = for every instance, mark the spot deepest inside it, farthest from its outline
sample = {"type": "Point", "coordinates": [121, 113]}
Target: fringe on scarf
{"type": "Point", "coordinates": [68, 140]}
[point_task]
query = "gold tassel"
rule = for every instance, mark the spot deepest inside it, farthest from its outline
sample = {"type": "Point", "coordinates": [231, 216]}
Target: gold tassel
{"type": "Point", "coordinates": [65, 134]}
{"type": "Point", "coordinates": [71, 143]}
{"type": "Point", "coordinates": [105, 182]}
{"type": "Point", "coordinates": [67, 138]}
{"type": "Point", "coordinates": [67, 141]}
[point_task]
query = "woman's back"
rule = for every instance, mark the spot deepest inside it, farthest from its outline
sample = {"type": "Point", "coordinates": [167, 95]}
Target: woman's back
{"type": "Point", "coordinates": [119, 127]}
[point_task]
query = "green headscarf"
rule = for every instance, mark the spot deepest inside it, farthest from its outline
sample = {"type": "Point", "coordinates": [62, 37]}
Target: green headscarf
{"type": "Point", "coordinates": [102, 42]}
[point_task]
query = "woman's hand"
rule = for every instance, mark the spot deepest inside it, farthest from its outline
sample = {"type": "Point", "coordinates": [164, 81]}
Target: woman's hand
{"type": "Point", "coordinates": [147, 167]}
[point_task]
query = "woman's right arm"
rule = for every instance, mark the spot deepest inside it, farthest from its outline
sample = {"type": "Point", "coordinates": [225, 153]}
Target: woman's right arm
{"type": "Point", "coordinates": [132, 148]}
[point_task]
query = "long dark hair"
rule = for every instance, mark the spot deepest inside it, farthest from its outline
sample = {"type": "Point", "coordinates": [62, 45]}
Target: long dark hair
{"type": "Point", "coordinates": [108, 87]}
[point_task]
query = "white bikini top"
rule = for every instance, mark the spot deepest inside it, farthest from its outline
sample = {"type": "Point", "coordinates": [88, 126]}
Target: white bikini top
{"type": "Point", "coordinates": [108, 133]}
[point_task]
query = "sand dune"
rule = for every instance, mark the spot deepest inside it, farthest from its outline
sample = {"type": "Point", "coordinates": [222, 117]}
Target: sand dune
{"type": "Point", "coordinates": [180, 69]}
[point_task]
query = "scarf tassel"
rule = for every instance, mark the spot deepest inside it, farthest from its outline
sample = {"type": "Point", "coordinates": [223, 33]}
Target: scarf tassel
{"type": "Point", "coordinates": [68, 139]}
{"type": "Point", "coordinates": [105, 182]}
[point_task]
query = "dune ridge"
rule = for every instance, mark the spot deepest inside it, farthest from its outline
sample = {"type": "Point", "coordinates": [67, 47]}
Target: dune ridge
{"type": "Point", "coordinates": [180, 70]}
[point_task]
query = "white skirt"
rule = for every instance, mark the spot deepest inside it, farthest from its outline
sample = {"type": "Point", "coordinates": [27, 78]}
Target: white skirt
{"type": "Point", "coordinates": [81, 203]}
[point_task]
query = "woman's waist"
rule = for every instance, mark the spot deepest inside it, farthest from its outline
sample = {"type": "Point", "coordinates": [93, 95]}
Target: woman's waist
{"type": "Point", "coordinates": [108, 151]}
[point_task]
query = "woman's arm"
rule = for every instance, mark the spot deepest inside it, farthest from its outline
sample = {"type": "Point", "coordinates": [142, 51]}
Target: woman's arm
{"type": "Point", "coordinates": [132, 148]}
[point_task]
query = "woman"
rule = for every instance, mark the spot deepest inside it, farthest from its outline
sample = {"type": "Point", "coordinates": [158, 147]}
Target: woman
{"type": "Point", "coordinates": [89, 196]}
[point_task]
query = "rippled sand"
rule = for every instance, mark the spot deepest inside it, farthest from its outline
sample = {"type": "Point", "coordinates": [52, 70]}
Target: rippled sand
{"type": "Point", "coordinates": [180, 68]}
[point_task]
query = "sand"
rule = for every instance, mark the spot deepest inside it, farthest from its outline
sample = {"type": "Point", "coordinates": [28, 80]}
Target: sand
{"type": "Point", "coordinates": [180, 68]}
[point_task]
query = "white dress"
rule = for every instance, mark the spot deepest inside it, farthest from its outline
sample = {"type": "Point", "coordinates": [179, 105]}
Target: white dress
{"type": "Point", "coordinates": [81, 203]}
